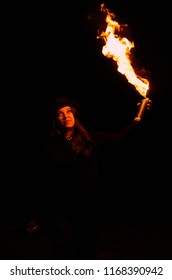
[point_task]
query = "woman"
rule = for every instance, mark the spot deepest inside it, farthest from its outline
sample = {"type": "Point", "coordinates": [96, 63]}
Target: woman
{"type": "Point", "coordinates": [70, 163]}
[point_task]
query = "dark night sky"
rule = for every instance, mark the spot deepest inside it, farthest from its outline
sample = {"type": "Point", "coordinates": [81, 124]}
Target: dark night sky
{"type": "Point", "coordinates": [55, 50]}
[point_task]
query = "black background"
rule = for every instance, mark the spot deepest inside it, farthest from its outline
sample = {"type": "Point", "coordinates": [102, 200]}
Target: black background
{"type": "Point", "coordinates": [52, 49]}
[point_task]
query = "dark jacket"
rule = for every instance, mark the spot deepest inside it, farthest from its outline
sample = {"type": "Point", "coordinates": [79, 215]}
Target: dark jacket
{"type": "Point", "coordinates": [68, 182]}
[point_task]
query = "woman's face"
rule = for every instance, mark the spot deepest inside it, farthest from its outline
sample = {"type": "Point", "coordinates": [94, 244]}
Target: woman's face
{"type": "Point", "coordinates": [66, 117]}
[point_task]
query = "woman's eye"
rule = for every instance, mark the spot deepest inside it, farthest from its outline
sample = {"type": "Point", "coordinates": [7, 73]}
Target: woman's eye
{"type": "Point", "coordinates": [59, 114]}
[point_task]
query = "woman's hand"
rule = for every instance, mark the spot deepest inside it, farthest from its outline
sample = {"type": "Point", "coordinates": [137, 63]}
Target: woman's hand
{"type": "Point", "coordinates": [144, 105]}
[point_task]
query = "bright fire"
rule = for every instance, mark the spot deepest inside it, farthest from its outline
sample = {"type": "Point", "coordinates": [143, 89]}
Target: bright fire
{"type": "Point", "coordinates": [118, 48]}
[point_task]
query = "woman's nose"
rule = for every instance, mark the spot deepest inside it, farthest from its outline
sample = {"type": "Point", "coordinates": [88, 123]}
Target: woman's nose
{"type": "Point", "coordinates": [64, 116]}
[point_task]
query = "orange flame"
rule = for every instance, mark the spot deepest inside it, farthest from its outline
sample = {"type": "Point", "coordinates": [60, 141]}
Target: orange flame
{"type": "Point", "coordinates": [119, 49]}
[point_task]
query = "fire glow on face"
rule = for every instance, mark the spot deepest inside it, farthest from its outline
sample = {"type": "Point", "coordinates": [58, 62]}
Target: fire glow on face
{"type": "Point", "coordinates": [119, 49]}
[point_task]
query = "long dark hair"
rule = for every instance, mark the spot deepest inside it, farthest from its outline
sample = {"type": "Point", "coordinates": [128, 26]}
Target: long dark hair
{"type": "Point", "coordinates": [81, 142]}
